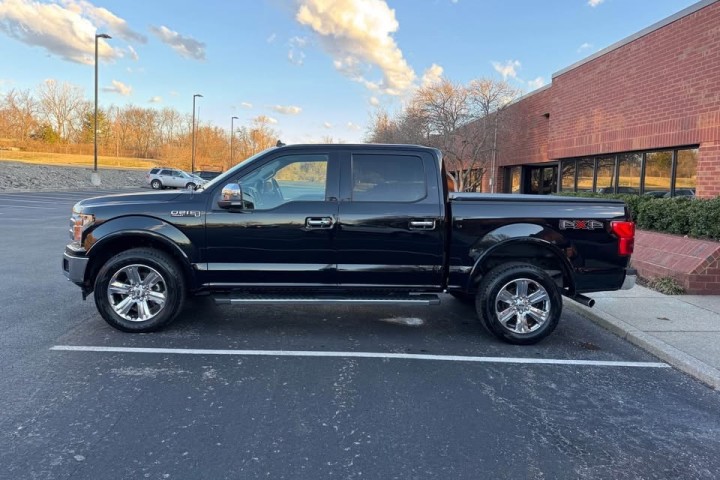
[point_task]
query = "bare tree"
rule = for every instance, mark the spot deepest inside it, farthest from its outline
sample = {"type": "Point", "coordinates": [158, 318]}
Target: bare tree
{"type": "Point", "coordinates": [18, 110]}
{"type": "Point", "coordinates": [461, 120]}
{"type": "Point", "coordinates": [61, 105]}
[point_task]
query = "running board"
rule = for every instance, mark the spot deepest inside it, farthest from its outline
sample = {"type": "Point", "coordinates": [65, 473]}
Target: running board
{"type": "Point", "coordinates": [420, 299]}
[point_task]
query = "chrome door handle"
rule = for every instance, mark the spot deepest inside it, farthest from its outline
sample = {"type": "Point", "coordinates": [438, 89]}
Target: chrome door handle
{"type": "Point", "coordinates": [422, 224]}
{"type": "Point", "coordinates": [318, 222]}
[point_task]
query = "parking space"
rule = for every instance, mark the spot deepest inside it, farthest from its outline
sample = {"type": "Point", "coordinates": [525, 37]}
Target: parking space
{"type": "Point", "coordinates": [320, 392]}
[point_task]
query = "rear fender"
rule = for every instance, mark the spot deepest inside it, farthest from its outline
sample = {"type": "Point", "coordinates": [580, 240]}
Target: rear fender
{"type": "Point", "coordinates": [537, 238]}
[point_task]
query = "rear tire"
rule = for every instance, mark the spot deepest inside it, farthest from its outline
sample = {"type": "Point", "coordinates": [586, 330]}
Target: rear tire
{"type": "Point", "coordinates": [156, 185]}
{"type": "Point", "coordinates": [139, 290]}
{"type": "Point", "coordinates": [519, 303]}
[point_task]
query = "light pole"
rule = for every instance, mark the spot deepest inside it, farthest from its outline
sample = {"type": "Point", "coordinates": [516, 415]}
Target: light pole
{"type": "Point", "coordinates": [232, 136]}
{"type": "Point", "coordinates": [106, 36]}
{"type": "Point", "coordinates": [192, 164]}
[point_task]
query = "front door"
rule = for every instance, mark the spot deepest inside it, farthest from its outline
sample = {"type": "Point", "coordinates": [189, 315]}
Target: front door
{"type": "Point", "coordinates": [284, 235]}
{"type": "Point", "coordinates": [390, 230]}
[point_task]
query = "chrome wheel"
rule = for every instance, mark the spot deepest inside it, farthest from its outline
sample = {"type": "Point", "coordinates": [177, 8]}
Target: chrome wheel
{"type": "Point", "coordinates": [137, 292]}
{"type": "Point", "coordinates": [522, 306]}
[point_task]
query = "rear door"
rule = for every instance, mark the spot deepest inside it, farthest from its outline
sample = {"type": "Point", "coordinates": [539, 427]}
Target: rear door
{"type": "Point", "coordinates": [390, 220]}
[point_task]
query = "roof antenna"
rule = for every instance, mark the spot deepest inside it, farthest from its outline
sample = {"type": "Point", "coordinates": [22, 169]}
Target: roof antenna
{"type": "Point", "coordinates": [280, 144]}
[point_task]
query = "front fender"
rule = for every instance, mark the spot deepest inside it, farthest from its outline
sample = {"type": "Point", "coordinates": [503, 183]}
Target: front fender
{"type": "Point", "coordinates": [152, 227]}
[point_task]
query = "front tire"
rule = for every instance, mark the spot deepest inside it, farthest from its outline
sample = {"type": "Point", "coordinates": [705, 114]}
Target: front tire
{"type": "Point", "coordinates": [139, 290]}
{"type": "Point", "coordinates": [190, 186]}
{"type": "Point", "coordinates": [519, 303]}
{"type": "Point", "coordinates": [156, 185]}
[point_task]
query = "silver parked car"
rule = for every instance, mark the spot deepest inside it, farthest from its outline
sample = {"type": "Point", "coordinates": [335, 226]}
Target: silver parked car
{"type": "Point", "coordinates": [160, 178]}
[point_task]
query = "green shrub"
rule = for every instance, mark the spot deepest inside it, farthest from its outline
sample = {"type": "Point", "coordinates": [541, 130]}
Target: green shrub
{"type": "Point", "coordinates": [666, 285]}
{"type": "Point", "coordinates": [698, 218]}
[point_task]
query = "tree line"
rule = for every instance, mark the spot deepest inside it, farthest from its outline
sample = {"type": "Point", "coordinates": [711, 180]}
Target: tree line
{"type": "Point", "coordinates": [462, 120]}
{"type": "Point", "coordinates": [56, 117]}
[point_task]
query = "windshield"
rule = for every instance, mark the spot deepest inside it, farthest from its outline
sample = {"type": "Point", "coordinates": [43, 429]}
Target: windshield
{"type": "Point", "coordinates": [231, 172]}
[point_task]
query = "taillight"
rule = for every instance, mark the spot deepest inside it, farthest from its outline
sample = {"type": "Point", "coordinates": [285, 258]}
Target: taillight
{"type": "Point", "coordinates": [625, 232]}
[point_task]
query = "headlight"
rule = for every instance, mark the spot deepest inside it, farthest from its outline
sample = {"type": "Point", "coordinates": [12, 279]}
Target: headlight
{"type": "Point", "coordinates": [79, 222]}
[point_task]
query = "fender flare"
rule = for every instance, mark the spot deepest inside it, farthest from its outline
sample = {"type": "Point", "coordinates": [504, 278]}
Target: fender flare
{"type": "Point", "coordinates": [141, 226]}
{"type": "Point", "coordinates": [495, 245]}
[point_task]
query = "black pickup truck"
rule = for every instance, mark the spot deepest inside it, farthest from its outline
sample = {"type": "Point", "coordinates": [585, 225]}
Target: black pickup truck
{"type": "Point", "coordinates": [359, 224]}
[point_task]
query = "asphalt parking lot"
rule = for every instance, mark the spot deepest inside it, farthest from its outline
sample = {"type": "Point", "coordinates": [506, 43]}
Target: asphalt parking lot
{"type": "Point", "coordinates": [320, 392]}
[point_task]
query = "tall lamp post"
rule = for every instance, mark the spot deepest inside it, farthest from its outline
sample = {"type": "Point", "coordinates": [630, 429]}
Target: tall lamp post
{"type": "Point", "coordinates": [106, 36]}
{"type": "Point", "coordinates": [232, 136]}
{"type": "Point", "coordinates": [192, 162]}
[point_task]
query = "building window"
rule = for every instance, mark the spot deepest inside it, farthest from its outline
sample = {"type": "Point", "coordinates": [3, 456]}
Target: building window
{"type": "Point", "coordinates": [586, 175]}
{"type": "Point", "coordinates": [658, 173]}
{"type": "Point", "coordinates": [686, 172]}
{"type": "Point", "coordinates": [605, 178]}
{"type": "Point", "coordinates": [629, 172]}
{"type": "Point", "coordinates": [568, 176]}
{"type": "Point", "coordinates": [512, 180]}
{"type": "Point", "coordinates": [662, 173]}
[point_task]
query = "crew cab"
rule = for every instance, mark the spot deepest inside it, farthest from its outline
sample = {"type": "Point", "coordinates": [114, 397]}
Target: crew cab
{"type": "Point", "coordinates": [359, 224]}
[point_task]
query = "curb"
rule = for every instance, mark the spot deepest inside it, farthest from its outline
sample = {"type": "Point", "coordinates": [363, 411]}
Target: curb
{"type": "Point", "coordinates": [708, 375]}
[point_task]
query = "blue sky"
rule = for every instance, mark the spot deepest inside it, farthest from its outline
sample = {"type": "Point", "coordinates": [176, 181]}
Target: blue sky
{"type": "Point", "coordinates": [315, 67]}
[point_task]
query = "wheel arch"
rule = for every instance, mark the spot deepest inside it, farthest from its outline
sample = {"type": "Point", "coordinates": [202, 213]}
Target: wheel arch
{"type": "Point", "coordinates": [534, 251]}
{"type": "Point", "coordinates": [114, 237]}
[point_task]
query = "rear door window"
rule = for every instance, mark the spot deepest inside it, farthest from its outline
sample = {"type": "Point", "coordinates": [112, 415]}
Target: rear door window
{"type": "Point", "coordinates": [388, 178]}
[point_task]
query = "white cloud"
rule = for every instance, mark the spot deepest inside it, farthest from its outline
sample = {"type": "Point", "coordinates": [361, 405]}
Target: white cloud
{"type": "Point", "coordinates": [66, 31]}
{"type": "Point", "coordinates": [358, 36]}
{"type": "Point", "coordinates": [265, 119]}
{"type": "Point", "coordinates": [174, 93]}
{"type": "Point", "coordinates": [246, 105]}
{"type": "Point", "coordinates": [296, 55]}
{"type": "Point", "coordinates": [595, 3]}
{"type": "Point", "coordinates": [353, 126]}
{"type": "Point", "coordinates": [155, 99]}
{"type": "Point", "coordinates": [133, 53]}
{"type": "Point", "coordinates": [537, 83]}
{"type": "Point", "coordinates": [119, 88]}
{"type": "Point", "coordinates": [187, 47]}
{"type": "Point", "coordinates": [116, 26]}
{"type": "Point", "coordinates": [584, 46]}
{"type": "Point", "coordinates": [271, 38]}
{"type": "Point", "coordinates": [287, 109]}
{"type": "Point", "coordinates": [432, 75]}
{"type": "Point", "coordinates": [327, 125]}
{"type": "Point", "coordinates": [374, 101]}
{"type": "Point", "coordinates": [507, 69]}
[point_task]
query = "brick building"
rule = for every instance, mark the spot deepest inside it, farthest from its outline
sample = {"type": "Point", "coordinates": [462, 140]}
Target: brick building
{"type": "Point", "coordinates": [641, 116]}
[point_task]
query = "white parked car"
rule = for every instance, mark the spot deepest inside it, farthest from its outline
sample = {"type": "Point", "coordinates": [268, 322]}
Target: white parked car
{"type": "Point", "coordinates": [159, 178]}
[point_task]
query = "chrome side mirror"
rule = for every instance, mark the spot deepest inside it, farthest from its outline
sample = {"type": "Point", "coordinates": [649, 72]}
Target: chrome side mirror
{"type": "Point", "coordinates": [231, 196]}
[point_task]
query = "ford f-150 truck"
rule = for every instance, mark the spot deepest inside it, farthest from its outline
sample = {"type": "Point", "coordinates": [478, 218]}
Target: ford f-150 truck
{"type": "Point", "coordinates": [359, 224]}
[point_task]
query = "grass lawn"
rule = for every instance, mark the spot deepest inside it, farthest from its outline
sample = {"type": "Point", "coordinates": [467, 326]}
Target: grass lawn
{"type": "Point", "coordinates": [73, 160]}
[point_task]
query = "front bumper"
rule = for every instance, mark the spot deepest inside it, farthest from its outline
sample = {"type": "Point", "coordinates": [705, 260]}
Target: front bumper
{"type": "Point", "coordinates": [74, 267]}
{"type": "Point", "coordinates": [630, 278]}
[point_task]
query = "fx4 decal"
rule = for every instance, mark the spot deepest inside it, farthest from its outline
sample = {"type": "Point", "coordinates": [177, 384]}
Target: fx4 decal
{"type": "Point", "coordinates": [580, 224]}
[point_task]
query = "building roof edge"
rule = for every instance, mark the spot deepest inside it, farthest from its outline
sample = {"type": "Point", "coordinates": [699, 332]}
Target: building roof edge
{"type": "Point", "coordinates": [656, 26]}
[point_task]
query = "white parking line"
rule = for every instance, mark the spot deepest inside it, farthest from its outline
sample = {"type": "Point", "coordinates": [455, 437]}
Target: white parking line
{"type": "Point", "coordinates": [404, 356]}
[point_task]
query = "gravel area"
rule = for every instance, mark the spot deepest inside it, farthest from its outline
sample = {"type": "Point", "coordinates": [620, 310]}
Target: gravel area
{"type": "Point", "coordinates": [28, 176]}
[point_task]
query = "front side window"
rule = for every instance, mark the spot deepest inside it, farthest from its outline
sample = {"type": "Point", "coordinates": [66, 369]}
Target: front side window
{"type": "Point", "coordinates": [388, 178]}
{"type": "Point", "coordinates": [291, 178]}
